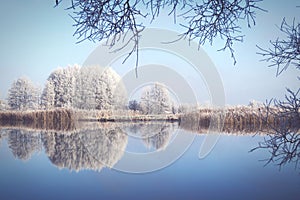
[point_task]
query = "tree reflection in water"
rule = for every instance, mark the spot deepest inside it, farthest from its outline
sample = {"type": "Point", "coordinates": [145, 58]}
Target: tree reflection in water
{"type": "Point", "coordinates": [2, 133]}
{"type": "Point", "coordinates": [92, 146]}
{"type": "Point", "coordinates": [154, 135]}
{"type": "Point", "coordinates": [87, 149]}
{"type": "Point", "coordinates": [161, 137]}
{"type": "Point", "coordinates": [24, 144]}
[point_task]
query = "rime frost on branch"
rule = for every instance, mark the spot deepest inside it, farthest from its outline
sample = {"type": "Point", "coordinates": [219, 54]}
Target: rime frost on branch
{"type": "Point", "coordinates": [122, 20]}
{"type": "Point", "coordinates": [23, 95]}
{"type": "Point", "coordinates": [155, 100]}
{"type": "Point", "coordinates": [90, 87]}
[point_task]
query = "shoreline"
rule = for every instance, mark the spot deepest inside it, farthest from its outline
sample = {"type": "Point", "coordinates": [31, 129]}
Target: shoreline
{"type": "Point", "coordinates": [233, 119]}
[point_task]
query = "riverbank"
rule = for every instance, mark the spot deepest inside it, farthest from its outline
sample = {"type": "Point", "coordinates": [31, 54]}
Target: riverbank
{"type": "Point", "coordinates": [240, 118]}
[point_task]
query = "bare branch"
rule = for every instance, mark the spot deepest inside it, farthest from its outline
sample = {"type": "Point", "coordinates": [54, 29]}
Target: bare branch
{"type": "Point", "coordinates": [219, 18]}
{"type": "Point", "coordinates": [156, 6]}
{"type": "Point", "coordinates": [109, 21]}
{"type": "Point", "coordinates": [283, 139]}
{"type": "Point", "coordinates": [113, 20]}
{"type": "Point", "coordinates": [284, 52]}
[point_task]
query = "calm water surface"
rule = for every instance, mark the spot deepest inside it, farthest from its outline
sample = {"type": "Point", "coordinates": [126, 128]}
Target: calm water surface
{"type": "Point", "coordinates": [79, 165]}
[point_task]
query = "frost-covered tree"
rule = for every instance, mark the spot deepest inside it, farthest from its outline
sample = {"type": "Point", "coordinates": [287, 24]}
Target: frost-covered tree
{"type": "Point", "coordinates": [146, 101]}
{"type": "Point", "coordinates": [48, 95]}
{"type": "Point", "coordinates": [99, 88]}
{"type": "Point", "coordinates": [110, 93]}
{"type": "Point", "coordinates": [90, 87]}
{"type": "Point", "coordinates": [156, 100]}
{"type": "Point", "coordinates": [60, 88]}
{"type": "Point", "coordinates": [2, 104]}
{"type": "Point", "coordinates": [255, 104]}
{"type": "Point", "coordinates": [23, 95]}
{"type": "Point", "coordinates": [87, 86]}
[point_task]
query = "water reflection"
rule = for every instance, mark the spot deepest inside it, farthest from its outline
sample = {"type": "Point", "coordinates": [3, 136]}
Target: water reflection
{"type": "Point", "coordinates": [24, 144]}
{"type": "Point", "coordinates": [87, 149]}
{"type": "Point", "coordinates": [2, 133]}
{"type": "Point", "coordinates": [283, 145]}
{"type": "Point", "coordinates": [160, 140]}
{"type": "Point", "coordinates": [97, 145]}
{"type": "Point", "coordinates": [93, 146]}
{"type": "Point", "coordinates": [154, 135]}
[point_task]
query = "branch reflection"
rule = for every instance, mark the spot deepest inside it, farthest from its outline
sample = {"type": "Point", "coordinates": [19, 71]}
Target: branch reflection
{"type": "Point", "coordinates": [283, 139]}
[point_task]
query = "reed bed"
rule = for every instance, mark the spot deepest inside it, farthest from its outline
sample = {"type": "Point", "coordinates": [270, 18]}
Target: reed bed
{"type": "Point", "coordinates": [56, 119]}
{"type": "Point", "coordinates": [230, 119]}
{"type": "Point", "coordinates": [235, 119]}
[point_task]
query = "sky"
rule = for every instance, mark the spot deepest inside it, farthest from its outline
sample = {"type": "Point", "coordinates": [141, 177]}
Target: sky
{"type": "Point", "coordinates": [37, 38]}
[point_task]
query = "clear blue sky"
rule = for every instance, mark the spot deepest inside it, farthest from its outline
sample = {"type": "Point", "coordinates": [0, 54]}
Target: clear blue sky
{"type": "Point", "coordinates": [36, 38]}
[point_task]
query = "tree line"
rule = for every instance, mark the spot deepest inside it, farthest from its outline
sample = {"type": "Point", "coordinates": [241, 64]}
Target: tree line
{"type": "Point", "coordinates": [87, 88]}
{"type": "Point", "coordinates": [90, 87]}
